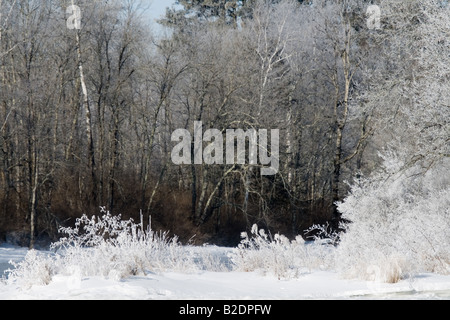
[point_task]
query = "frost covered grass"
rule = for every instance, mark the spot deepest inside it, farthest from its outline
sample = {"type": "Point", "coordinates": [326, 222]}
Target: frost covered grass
{"type": "Point", "coordinates": [112, 248]}
{"type": "Point", "coordinates": [35, 269]}
{"type": "Point", "coordinates": [278, 256]}
{"type": "Point", "coordinates": [115, 249]}
{"type": "Point", "coordinates": [109, 246]}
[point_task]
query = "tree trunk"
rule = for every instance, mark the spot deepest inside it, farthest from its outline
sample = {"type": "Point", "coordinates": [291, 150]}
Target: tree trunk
{"type": "Point", "coordinates": [337, 176]}
{"type": "Point", "coordinates": [218, 187]}
{"type": "Point", "coordinates": [33, 202]}
{"type": "Point", "coordinates": [87, 117]}
{"type": "Point", "coordinates": [201, 200]}
{"type": "Point", "coordinates": [194, 188]}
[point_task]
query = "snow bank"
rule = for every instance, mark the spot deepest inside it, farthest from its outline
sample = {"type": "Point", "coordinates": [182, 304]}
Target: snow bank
{"type": "Point", "coordinates": [229, 286]}
{"type": "Point", "coordinates": [221, 285]}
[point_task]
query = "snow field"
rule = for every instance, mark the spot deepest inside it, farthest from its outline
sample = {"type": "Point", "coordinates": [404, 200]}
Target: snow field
{"type": "Point", "coordinates": [223, 285]}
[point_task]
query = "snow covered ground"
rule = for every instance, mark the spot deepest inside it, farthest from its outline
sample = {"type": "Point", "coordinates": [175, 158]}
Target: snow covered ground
{"type": "Point", "coordinates": [220, 286]}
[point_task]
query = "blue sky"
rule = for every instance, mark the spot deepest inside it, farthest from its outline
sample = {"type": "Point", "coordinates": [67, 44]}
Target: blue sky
{"type": "Point", "coordinates": [157, 9]}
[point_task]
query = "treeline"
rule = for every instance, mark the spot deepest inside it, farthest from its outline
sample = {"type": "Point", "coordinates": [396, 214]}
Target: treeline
{"type": "Point", "coordinates": [86, 115]}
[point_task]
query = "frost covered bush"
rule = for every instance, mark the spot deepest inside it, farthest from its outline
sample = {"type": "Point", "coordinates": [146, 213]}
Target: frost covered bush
{"type": "Point", "coordinates": [35, 269]}
{"type": "Point", "coordinates": [110, 247]}
{"type": "Point", "coordinates": [278, 255]}
{"type": "Point", "coordinates": [400, 224]}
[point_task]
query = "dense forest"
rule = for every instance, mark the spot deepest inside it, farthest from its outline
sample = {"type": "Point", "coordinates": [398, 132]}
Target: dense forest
{"type": "Point", "coordinates": [87, 112]}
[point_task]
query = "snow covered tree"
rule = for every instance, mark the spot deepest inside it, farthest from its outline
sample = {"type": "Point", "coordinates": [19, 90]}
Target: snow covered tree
{"type": "Point", "coordinates": [409, 80]}
{"type": "Point", "coordinates": [400, 214]}
{"type": "Point", "coordinates": [193, 11]}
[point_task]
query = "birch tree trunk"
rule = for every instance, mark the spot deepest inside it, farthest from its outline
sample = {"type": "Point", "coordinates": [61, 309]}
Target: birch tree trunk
{"type": "Point", "coordinates": [87, 117]}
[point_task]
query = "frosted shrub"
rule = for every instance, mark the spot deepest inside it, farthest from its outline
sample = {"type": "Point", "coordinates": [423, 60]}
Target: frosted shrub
{"type": "Point", "coordinates": [35, 269]}
{"type": "Point", "coordinates": [109, 246]}
{"type": "Point", "coordinates": [278, 255]}
{"type": "Point", "coordinates": [400, 225]}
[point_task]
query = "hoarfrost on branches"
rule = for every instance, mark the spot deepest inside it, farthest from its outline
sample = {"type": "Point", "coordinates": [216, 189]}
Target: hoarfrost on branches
{"type": "Point", "coordinates": [278, 256]}
{"type": "Point", "coordinates": [400, 224]}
